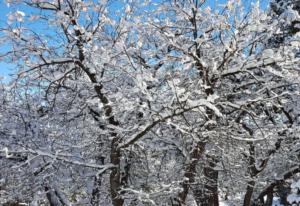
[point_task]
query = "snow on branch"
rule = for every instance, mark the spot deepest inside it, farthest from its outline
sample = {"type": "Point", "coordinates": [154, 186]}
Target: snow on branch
{"type": "Point", "coordinates": [60, 157]}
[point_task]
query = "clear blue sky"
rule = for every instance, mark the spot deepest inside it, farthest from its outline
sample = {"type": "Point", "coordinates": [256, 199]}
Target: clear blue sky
{"type": "Point", "coordinates": [6, 69]}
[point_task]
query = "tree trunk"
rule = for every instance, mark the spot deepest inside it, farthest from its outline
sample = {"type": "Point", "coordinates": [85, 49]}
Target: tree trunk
{"type": "Point", "coordinates": [269, 199]}
{"type": "Point", "coordinates": [279, 184]}
{"type": "Point", "coordinates": [249, 192]}
{"type": "Point", "coordinates": [189, 173]}
{"type": "Point", "coordinates": [55, 196]}
{"type": "Point", "coordinates": [115, 177]}
{"type": "Point", "coordinates": [52, 198]}
{"type": "Point", "coordinates": [253, 172]}
{"type": "Point", "coordinates": [208, 195]}
{"type": "Point", "coordinates": [96, 194]}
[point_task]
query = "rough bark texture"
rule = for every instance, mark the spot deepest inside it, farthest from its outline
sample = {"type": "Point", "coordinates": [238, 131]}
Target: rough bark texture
{"type": "Point", "coordinates": [115, 176]}
{"type": "Point", "coordinates": [96, 195]}
{"type": "Point", "coordinates": [190, 172]}
{"type": "Point", "coordinates": [276, 184]}
{"type": "Point", "coordinates": [253, 172]}
{"type": "Point", "coordinates": [208, 195]}
{"type": "Point", "coordinates": [249, 192]}
{"type": "Point", "coordinates": [52, 197]}
{"type": "Point", "coordinates": [269, 200]}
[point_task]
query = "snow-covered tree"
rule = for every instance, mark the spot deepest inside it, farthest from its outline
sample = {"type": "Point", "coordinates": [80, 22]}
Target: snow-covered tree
{"type": "Point", "coordinates": [147, 103]}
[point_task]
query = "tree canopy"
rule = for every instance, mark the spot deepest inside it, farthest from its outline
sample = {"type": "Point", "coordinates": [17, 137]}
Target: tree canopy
{"type": "Point", "coordinates": [150, 103]}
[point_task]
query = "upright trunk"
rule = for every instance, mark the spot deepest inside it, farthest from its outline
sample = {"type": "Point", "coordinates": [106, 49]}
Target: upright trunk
{"type": "Point", "coordinates": [189, 173]}
{"type": "Point", "coordinates": [52, 197]}
{"type": "Point", "coordinates": [282, 190]}
{"type": "Point", "coordinates": [269, 200]}
{"type": "Point", "coordinates": [208, 195]}
{"type": "Point", "coordinates": [96, 193]}
{"type": "Point", "coordinates": [115, 176]}
{"type": "Point", "coordinates": [253, 173]}
{"type": "Point", "coordinates": [249, 192]}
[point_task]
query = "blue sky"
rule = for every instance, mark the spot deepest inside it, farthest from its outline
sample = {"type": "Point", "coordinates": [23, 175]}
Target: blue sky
{"type": "Point", "coordinates": [6, 69]}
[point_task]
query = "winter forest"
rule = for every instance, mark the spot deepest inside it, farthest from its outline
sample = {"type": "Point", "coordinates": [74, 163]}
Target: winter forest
{"type": "Point", "coordinates": [150, 102]}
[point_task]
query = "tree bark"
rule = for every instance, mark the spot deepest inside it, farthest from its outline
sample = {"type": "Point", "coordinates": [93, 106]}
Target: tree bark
{"type": "Point", "coordinates": [95, 201]}
{"type": "Point", "coordinates": [253, 172]}
{"type": "Point", "coordinates": [270, 188]}
{"type": "Point", "coordinates": [52, 198]}
{"type": "Point", "coordinates": [269, 199]}
{"type": "Point", "coordinates": [249, 192]}
{"type": "Point", "coordinates": [189, 173]}
{"type": "Point", "coordinates": [115, 176]}
{"type": "Point", "coordinates": [208, 195]}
